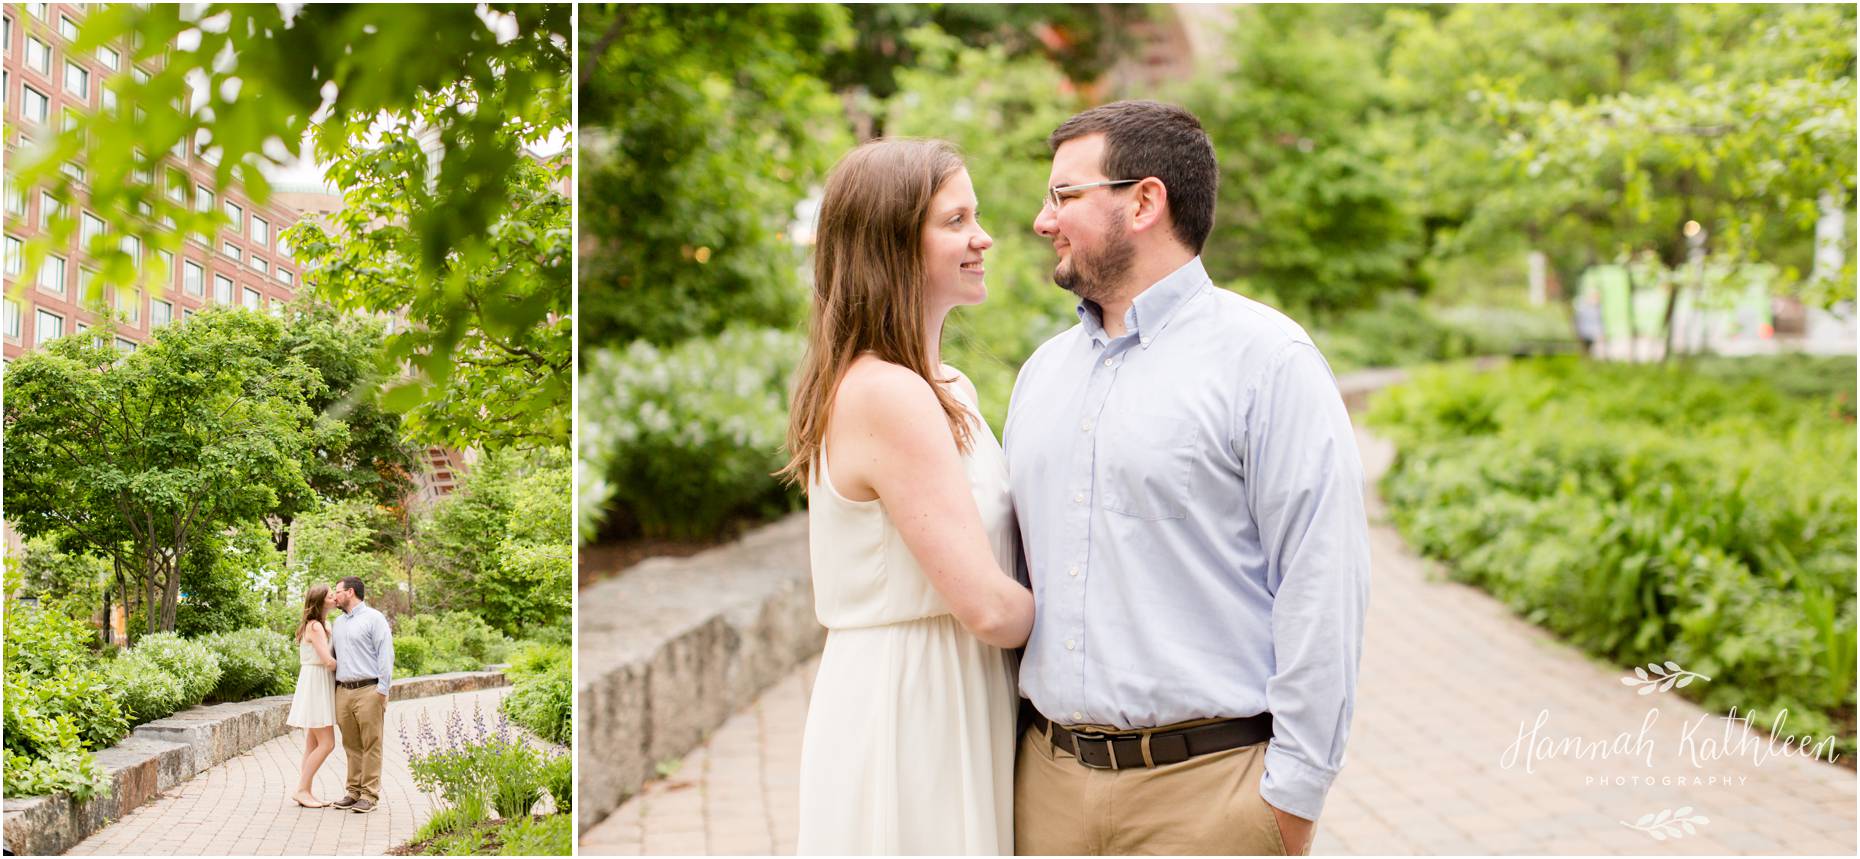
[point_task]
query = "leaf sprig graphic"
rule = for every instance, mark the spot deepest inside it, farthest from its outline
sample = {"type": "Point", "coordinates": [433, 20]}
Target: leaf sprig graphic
{"type": "Point", "coordinates": [1670, 823]}
{"type": "Point", "coordinates": [1657, 677]}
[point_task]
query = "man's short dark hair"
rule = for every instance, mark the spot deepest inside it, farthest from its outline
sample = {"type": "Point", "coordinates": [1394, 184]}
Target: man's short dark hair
{"type": "Point", "coordinates": [354, 583]}
{"type": "Point", "coordinates": [1149, 138]}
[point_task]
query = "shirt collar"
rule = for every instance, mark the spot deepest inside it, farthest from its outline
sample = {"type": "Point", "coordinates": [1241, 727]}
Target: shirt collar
{"type": "Point", "coordinates": [1152, 309]}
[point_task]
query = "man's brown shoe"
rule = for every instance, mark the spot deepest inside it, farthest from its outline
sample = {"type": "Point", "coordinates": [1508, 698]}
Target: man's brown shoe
{"type": "Point", "coordinates": [344, 803]}
{"type": "Point", "coordinates": [363, 806]}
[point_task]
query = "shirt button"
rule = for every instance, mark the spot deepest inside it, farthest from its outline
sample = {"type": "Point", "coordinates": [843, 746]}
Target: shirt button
{"type": "Point", "coordinates": [1110, 362]}
{"type": "Point", "coordinates": [1071, 644]}
{"type": "Point", "coordinates": [1085, 424]}
{"type": "Point", "coordinates": [1079, 498]}
{"type": "Point", "coordinates": [1074, 571]}
{"type": "Point", "coordinates": [1078, 716]}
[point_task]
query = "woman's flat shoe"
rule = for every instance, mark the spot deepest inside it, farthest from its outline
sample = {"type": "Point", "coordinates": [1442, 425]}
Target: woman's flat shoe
{"type": "Point", "coordinates": [314, 803]}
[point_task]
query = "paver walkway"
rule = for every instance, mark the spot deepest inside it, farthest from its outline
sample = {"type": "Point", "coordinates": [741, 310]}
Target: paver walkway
{"type": "Point", "coordinates": [243, 806]}
{"type": "Point", "coordinates": [1450, 678]}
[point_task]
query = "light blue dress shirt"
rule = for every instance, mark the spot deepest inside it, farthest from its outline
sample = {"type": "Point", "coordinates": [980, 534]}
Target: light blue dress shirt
{"type": "Point", "coordinates": [363, 644]}
{"type": "Point", "coordinates": [1190, 502]}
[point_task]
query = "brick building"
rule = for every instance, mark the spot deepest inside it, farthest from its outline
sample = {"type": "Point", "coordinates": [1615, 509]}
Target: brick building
{"type": "Point", "coordinates": [243, 263]}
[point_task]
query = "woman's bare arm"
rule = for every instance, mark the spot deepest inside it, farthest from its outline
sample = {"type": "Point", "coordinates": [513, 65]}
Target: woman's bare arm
{"type": "Point", "coordinates": [892, 440]}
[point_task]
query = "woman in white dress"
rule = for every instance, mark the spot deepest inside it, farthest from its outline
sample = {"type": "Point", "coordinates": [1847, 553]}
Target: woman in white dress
{"type": "Point", "coordinates": [909, 743]}
{"type": "Point", "coordinates": [313, 707]}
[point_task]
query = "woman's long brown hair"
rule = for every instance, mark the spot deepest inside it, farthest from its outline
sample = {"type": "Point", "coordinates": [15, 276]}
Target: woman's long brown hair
{"type": "Point", "coordinates": [314, 609]}
{"type": "Point", "coordinates": [869, 284]}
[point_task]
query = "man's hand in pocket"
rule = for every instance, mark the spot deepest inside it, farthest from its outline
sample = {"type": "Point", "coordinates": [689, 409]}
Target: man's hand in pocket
{"type": "Point", "coordinates": [1295, 831]}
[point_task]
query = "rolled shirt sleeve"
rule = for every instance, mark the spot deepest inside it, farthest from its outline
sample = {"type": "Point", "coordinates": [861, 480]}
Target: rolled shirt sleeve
{"type": "Point", "coordinates": [1307, 487]}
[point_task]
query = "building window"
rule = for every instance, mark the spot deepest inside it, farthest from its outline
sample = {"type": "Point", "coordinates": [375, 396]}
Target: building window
{"type": "Point", "coordinates": [110, 58]}
{"type": "Point", "coordinates": [77, 80]}
{"type": "Point", "coordinates": [15, 201]}
{"type": "Point", "coordinates": [133, 247]}
{"type": "Point", "coordinates": [203, 198]}
{"type": "Point", "coordinates": [9, 36]}
{"type": "Point", "coordinates": [38, 56]}
{"type": "Point", "coordinates": [67, 28]}
{"type": "Point", "coordinates": [130, 307]}
{"type": "Point", "coordinates": [73, 170]}
{"type": "Point", "coordinates": [107, 98]}
{"type": "Point", "coordinates": [49, 208]}
{"type": "Point", "coordinates": [230, 250]}
{"type": "Point", "coordinates": [261, 231]}
{"type": "Point", "coordinates": [193, 278]}
{"type": "Point", "coordinates": [167, 267]}
{"type": "Point", "coordinates": [258, 264]}
{"type": "Point", "coordinates": [33, 105]}
{"type": "Point", "coordinates": [160, 313]}
{"type": "Point", "coordinates": [93, 227]}
{"type": "Point", "coordinates": [222, 289]}
{"type": "Point", "coordinates": [251, 299]}
{"type": "Point", "coordinates": [52, 275]}
{"type": "Point", "coordinates": [15, 255]}
{"type": "Point", "coordinates": [281, 275]}
{"type": "Point", "coordinates": [12, 319]}
{"type": "Point", "coordinates": [37, 10]}
{"type": "Point", "coordinates": [236, 215]}
{"type": "Point", "coordinates": [125, 345]}
{"type": "Point", "coordinates": [46, 327]}
{"type": "Point", "coordinates": [277, 307]}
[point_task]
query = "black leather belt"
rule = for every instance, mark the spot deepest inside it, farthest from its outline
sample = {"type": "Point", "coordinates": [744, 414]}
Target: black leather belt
{"type": "Point", "coordinates": [357, 684]}
{"type": "Point", "coordinates": [1125, 750]}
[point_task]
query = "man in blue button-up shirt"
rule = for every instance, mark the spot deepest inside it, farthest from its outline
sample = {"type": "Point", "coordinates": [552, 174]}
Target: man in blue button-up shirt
{"type": "Point", "coordinates": [1190, 502]}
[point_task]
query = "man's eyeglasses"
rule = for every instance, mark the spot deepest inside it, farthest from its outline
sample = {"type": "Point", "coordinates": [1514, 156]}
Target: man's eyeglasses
{"type": "Point", "coordinates": [1052, 194]}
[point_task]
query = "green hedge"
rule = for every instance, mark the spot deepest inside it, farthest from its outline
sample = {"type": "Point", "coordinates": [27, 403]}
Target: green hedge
{"type": "Point", "coordinates": [1702, 513]}
{"type": "Point", "coordinates": [680, 440]}
{"type": "Point", "coordinates": [254, 663]}
{"type": "Point", "coordinates": [58, 705]}
{"type": "Point", "coordinates": [443, 643]}
{"type": "Point", "coordinates": [542, 699]}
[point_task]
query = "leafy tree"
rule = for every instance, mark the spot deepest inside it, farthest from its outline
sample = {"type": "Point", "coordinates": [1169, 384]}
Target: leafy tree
{"type": "Point", "coordinates": [269, 76]}
{"type": "Point", "coordinates": [502, 545]}
{"type": "Point", "coordinates": [219, 578]}
{"type": "Point", "coordinates": [1309, 213]}
{"type": "Point", "coordinates": [490, 332]}
{"type": "Point", "coordinates": [687, 196]}
{"type": "Point", "coordinates": [371, 458]}
{"type": "Point", "coordinates": [139, 457]}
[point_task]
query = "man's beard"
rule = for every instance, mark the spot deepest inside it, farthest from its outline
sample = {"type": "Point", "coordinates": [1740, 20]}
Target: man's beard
{"type": "Point", "coordinates": [1096, 277]}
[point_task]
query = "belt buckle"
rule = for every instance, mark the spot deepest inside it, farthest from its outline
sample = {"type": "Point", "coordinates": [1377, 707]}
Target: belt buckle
{"type": "Point", "coordinates": [1079, 738]}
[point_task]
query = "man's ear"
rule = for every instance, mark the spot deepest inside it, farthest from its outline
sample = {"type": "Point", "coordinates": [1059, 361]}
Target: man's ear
{"type": "Point", "coordinates": [1150, 198]}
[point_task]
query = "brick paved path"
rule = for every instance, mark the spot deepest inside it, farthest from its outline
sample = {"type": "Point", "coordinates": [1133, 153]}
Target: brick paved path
{"type": "Point", "coordinates": [1449, 677]}
{"type": "Point", "coordinates": [243, 806]}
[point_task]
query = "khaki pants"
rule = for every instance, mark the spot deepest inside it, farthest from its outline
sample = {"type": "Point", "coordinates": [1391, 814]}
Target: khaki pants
{"type": "Point", "coordinates": [1204, 806]}
{"type": "Point", "coordinates": [361, 715]}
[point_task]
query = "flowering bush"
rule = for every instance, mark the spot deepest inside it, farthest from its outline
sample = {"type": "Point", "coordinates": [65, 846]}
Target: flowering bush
{"type": "Point", "coordinates": [682, 439]}
{"type": "Point", "coordinates": [475, 764]}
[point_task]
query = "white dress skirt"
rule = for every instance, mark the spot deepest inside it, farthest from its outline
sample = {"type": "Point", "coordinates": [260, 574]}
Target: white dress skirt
{"type": "Point", "coordinates": [314, 704]}
{"type": "Point", "coordinates": [909, 743]}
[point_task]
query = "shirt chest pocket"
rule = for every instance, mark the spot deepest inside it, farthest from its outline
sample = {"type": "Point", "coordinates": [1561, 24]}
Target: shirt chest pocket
{"type": "Point", "coordinates": [1144, 462]}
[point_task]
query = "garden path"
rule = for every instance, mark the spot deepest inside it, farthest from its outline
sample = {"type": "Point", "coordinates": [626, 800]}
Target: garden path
{"type": "Point", "coordinates": [243, 806]}
{"type": "Point", "coordinates": [1449, 680]}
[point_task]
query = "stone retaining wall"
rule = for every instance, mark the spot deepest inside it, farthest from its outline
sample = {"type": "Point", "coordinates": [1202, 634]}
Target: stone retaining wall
{"type": "Point", "coordinates": [668, 651]}
{"type": "Point", "coordinates": [163, 753]}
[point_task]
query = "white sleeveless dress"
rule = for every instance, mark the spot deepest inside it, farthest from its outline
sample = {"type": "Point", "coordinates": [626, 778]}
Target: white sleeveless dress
{"type": "Point", "coordinates": [314, 704]}
{"type": "Point", "coordinates": [909, 743]}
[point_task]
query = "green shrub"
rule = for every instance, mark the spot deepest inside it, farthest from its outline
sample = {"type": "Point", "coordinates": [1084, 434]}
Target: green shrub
{"type": "Point", "coordinates": [193, 663]}
{"type": "Point", "coordinates": [515, 770]}
{"type": "Point", "coordinates": [253, 663]}
{"type": "Point", "coordinates": [442, 643]}
{"type": "Point", "coordinates": [58, 705]}
{"type": "Point", "coordinates": [683, 439]}
{"type": "Point", "coordinates": [146, 689]}
{"type": "Point", "coordinates": [1648, 513]}
{"type": "Point", "coordinates": [40, 642]}
{"type": "Point", "coordinates": [449, 820]}
{"type": "Point", "coordinates": [543, 697]}
{"type": "Point", "coordinates": [559, 777]}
